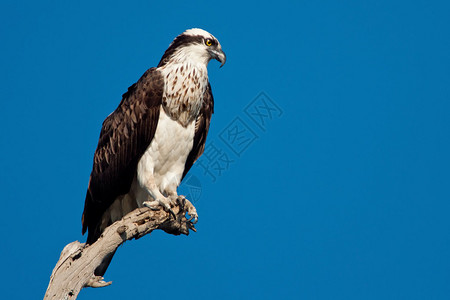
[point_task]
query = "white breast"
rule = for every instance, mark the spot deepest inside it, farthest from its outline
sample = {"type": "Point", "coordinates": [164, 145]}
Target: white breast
{"type": "Point", "coordinates": [166, 156]}
{"type": "Point", "coordinates": [163, 163]}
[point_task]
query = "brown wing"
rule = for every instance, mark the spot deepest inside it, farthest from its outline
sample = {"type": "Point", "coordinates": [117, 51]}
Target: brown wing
{"type": "Point", "coordinates": [124, 137]}
{"type": "Point", "coordinates": [201, 129]}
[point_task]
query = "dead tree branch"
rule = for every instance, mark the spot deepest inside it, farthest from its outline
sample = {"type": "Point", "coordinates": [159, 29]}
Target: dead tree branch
{"type": "Point", "coordinates": [75, 267]}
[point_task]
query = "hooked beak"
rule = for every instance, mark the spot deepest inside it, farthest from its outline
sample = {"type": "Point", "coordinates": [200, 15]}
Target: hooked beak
{"type": "Point", "coordinates": [219, 55]}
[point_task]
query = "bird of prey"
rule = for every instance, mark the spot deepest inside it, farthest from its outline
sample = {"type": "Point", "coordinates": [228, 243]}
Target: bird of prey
{"type": "Point", "coordinates": [152, 139]}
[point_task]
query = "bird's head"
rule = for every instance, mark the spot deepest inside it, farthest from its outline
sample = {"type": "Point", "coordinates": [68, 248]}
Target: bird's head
{"type": "Point", "coordinates": [196, 46]}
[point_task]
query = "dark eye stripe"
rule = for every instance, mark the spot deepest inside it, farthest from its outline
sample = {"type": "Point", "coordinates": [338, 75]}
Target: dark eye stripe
{"type": "Point", "coordinates": [182, 41]}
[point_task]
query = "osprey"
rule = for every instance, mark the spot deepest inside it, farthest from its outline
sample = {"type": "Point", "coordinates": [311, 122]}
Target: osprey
{"type": "Point", "coordinates": [149, 143]}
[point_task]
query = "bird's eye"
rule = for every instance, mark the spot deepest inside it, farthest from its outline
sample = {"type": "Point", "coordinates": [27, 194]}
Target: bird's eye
{"type": "Point", "coordinates": [208, 42]}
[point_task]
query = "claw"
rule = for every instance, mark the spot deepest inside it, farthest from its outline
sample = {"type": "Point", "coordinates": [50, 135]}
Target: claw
{"type": "Point", "coordinates": [185, 207]}
{"type": "Point", "coordinates": [195, 220]}
{"type": "Point", "coordinates": [192, 212]}
{"type": "Point", "coordinates": [172, 213]}
{"type": "Point", "coordinates": [181, 202]}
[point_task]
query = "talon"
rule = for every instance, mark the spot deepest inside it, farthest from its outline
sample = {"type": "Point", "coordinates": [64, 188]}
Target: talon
{"type": "Point", "coordinates": [172, 213]}
{"type": "Point", "coordinates": [192, 212]}
{"type": "Point", "coordinates": [186, 207]}
{"type": "Point", "coordinates": [181, 202]}
{"type": "Point", "coordinates": [195, 220]}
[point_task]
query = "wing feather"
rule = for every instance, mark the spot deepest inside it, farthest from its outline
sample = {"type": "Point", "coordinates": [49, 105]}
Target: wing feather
{"type": "Point", "coordinates": [125, 135]}
{"type": "Point", "coordinates": [201, 129]}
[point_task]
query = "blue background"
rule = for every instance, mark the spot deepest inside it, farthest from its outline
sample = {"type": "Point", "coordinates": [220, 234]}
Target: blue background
{"type": "Point", "coordinates": [345, 195]}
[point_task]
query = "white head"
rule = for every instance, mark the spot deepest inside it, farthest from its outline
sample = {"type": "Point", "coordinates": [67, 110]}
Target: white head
{"type": "Point", "coordinates": [194, 45]}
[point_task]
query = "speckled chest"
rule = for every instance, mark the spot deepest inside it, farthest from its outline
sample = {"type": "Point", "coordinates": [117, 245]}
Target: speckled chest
{"type": "Point", "coordinates": [184, 87]}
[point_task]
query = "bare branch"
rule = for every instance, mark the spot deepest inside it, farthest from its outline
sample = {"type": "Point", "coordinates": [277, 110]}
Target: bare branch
{"type": "Point", "coordinates": [75, 267]}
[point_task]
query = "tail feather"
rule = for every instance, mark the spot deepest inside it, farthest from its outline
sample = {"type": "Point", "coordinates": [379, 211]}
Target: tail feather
{"type": "Point", "coordinates": [90, 221]}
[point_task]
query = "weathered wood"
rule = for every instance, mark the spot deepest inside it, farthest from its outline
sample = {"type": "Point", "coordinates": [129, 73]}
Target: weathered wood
{"type": "Point", "coordinates": [75, 267]}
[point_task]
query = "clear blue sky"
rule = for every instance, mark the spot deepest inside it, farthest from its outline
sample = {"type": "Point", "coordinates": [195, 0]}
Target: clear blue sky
{"type": "Point", "coordinates": [338, 190]}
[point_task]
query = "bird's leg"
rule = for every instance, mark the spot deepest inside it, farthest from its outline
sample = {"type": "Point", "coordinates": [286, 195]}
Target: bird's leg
{"type": "Point", "coordinates": [190, 208]}
{"type": "Point", "coordinates": [185, 205]}
{"type": "Point", "coordinates": [159, 199]}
